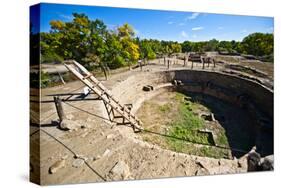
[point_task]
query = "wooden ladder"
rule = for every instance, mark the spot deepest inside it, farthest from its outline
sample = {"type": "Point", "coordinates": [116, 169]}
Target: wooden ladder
{"type": "Point", "coordinates": [112, 105]}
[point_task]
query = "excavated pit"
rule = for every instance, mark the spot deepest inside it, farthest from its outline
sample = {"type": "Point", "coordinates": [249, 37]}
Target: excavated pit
{"type": "Point", "coordinates": [242, 109]}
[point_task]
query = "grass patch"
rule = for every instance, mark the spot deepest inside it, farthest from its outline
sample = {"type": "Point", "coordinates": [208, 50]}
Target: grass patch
{"type": "Point", "coordinates": [165, 108]}
{"type": "Point", "coordinates": [186, 125]}
{"type": "Point", "coordinates": [222, 139]}
{"type": "Point", "coordinates": [179, 120]}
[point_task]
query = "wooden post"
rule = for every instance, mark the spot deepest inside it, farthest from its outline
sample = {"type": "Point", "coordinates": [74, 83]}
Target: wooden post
{"type": "Point", "coordinates": [140, 64]}
{"type": "Point", "coordinates": [61, 78]}
{"type": "Point", "coordinates": [214, 63]}
{"type": "Point", "coordinates": [191, 64]}
{"type": "Point", "coordinates": [168, 63]}
{"type": "Point", "coordinates": [203, 62]}
{"type": "Point", "coordinates": [59, 108]}
{"type": "Point", "coordinates": [184, 61]}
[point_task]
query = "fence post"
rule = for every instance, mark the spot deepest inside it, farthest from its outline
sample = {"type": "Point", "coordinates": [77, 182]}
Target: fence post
{"type": "Point", "coordinates": [203, 62]}
{"type": "Point", "coordinates": [59, 108]}
{"type": "Point", "coordinates": [168, 63]}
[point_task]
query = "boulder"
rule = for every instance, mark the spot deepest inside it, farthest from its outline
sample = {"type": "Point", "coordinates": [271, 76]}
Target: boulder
{"type": "Point", "coordinates": [147, 88]}
{"type": "Point", "coordinates": [202, 172]}
{"type": "Point", "coordinates": [57, 166]}
{"type": "Point", "coordinates": [120, 171]}
{"type": "Point", "coordinates": [253, 161]}
{"type": "Point", "coordinates": [267, 163]}
{"type": "Point", "coordinates": [110, 136]}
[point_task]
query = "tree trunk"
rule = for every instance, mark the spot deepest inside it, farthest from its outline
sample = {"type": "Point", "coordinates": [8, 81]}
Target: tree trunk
{"type": "Point", "coordinates": [104, 72]}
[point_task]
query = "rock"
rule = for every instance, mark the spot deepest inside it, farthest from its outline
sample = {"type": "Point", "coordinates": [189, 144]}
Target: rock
{"type": "Point", "coordinates": [97, 157]}
{"type": "Point", "coordinates": [106, 152]}
{"type": "Point", "coordinates": [147, 88]}
{"type": "Point", "coordinates": [84, 134]}
{"type": "Point", "coordinates": [78, 163]}
{"type": "Point", "coordinates": [242, 163]}
{"type": "Point", "coordinates": [81, 157]}
{"type": "Point", "coordinates": [57, 166]}
{"type": "Point", "coordinates": [222, 162]}
{"type": "Point", "coordinates": [202, 172]}
{"type": "Point", "coordinates": [64, 156]}
{"type": "Point", "coordinates": [208, 117]}
{"type": "Point", "coordinates": [120, 171]}
{"type": "Point", "coordinates": [177, 82]}
{"type": "Point", "coordinates": [267, 163]}
{"type": "Point", "coordinates": [253, 161]}
{"type": "Point", "coordinates": [110, 136]}
{"type": "Point", "coordinates": [67, 124]}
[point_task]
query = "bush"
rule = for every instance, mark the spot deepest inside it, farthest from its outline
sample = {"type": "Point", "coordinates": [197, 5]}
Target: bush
{"type": "Point", "coordinates": [50, 57]}
{"type": "Point", "coordinates": [117, 62]}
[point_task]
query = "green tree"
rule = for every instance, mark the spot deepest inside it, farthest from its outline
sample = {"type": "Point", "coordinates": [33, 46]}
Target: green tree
{"type": "Point", "coordinates": [258, 44]}
{"type": "Point", "coordinates": [130, 48]}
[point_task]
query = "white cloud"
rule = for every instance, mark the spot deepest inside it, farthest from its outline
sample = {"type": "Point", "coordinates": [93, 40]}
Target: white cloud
{"type": "Point", "coordinates": [184, 34]}
{"type": "Point", "coordinates": [193, 16]}
{"type": "Point", "coordinates": [67, 17]}
{"type": "Point", "coordinates": [197, 28]}
{"type": "Point", "coordinates": [220, 28]}
{"type": "Point", "coordinates": [170, 23]}
{"type": "Point", "coordinates": [181, 24]}
{"type": "Point", "coordinates": [194, 36]}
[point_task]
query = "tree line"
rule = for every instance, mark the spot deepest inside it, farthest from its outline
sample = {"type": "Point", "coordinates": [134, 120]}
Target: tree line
{"type": "Point", "coordinates": [91, 43]}
{"type": "Point", "coordinates": [257, 44]}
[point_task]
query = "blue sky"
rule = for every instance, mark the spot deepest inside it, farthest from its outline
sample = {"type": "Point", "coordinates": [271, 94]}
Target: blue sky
{"type": "Point", "coordinates": [162, 25]}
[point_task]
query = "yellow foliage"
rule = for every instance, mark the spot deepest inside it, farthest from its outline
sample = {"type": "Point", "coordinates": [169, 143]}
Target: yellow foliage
{"type": "Point", "coordinates": [134, 49]}
{"type": "Point", "coordinates": [57, 24]}
{"type": "Point", "coordinates": [81, 21]}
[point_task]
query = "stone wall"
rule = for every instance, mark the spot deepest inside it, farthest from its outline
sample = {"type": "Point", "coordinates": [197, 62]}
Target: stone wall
{"type": "Point", "coordinates": [248, 94]}
{"type": "Point", "coordinates": [227, 87]}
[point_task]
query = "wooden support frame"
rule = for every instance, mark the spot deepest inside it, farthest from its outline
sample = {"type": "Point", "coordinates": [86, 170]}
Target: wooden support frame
{"type": "Point", "coordinates": [97, 87]}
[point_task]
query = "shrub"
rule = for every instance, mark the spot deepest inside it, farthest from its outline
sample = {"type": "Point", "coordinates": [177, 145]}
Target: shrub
{"type": "Point", "coordinates": [117, 62]}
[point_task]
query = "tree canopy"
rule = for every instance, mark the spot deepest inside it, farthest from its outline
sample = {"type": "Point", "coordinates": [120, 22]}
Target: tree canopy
{"type": "Point", "coordinates": [93, 44]}
{"type": "Point", "coordinates": [257, 44]}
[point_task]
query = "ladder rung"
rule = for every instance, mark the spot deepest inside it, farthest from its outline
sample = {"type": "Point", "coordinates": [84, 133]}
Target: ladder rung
{"type": "Point", "coordinates": [88, 76]}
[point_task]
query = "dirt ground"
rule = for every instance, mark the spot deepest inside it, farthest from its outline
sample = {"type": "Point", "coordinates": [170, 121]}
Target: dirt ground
{"type": "Point", "coordinates": [99, 150]}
